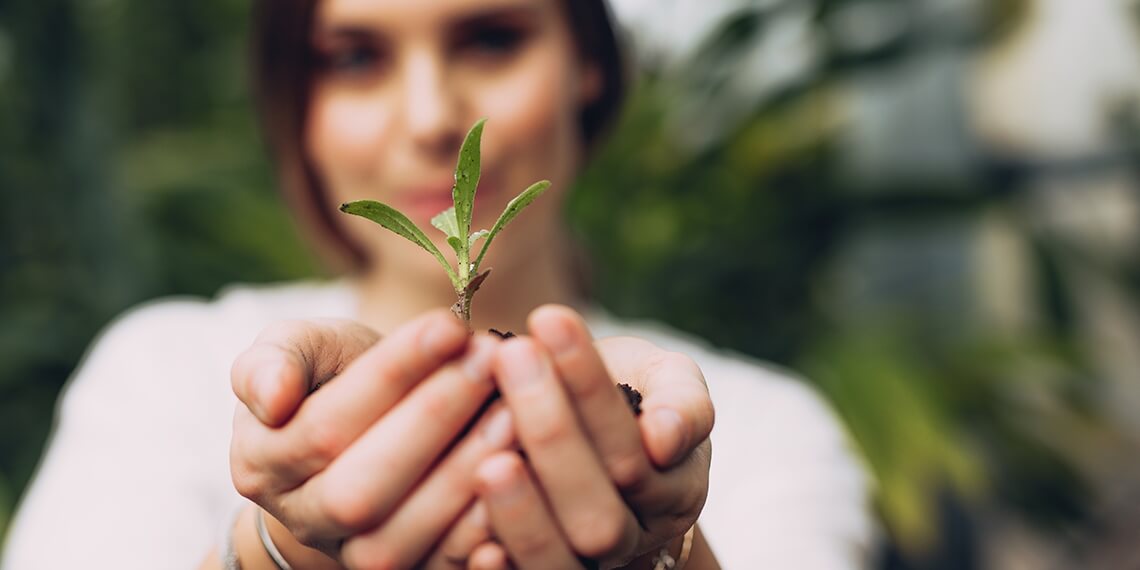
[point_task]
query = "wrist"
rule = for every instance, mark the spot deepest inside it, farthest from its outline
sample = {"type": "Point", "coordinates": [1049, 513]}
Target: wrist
{"type": "Point", "coordinates": [673, 555]}
{"type": "Point", "coordinates": [253, 554]}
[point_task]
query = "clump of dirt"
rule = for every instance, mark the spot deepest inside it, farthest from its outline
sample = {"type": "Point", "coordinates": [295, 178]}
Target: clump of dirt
{"type": "Point", "coordinates": [632, 397]}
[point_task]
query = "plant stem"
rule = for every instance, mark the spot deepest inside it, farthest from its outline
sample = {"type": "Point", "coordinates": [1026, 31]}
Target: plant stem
{"type": "Point", "coordinates": [462, 309]}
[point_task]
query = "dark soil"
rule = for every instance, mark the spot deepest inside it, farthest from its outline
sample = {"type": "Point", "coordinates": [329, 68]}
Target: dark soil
{"type": "Point", "coordinates": [632, 396]}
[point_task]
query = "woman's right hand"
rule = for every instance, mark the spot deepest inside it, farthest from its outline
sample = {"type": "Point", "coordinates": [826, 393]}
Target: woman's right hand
{"type": "Point", "coordinates": [333, 464]}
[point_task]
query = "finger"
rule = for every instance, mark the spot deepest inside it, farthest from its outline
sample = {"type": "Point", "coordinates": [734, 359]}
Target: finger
{"type": "Point", "coordinates": [522, 523]}
{"type": "Point", "coordinates": [582, 497]}
{"type": "Point", "coordinates": [421, 519]}
{"type": "Point", "coordinates": [677, 413]}
{"type": "Point", "coordinates": [331, 418]}
{"type": "Point", "coordinates": [670, 503]}
{"type": "Point", "coordinates": [288, 359]}
{"type": "Point", "coordinates": [381, 376]}
{"type": "Point", "coordinates": [489, 556]}
{"type": "Point", "coordinates": [463, 538]}
{"type": "Point", "coordinates": [601, 408]}
{"type": "Point", "coordinates": [363, 485]}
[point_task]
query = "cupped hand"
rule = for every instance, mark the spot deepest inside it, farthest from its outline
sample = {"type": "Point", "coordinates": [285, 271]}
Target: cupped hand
{"type": "Point", "coordinates": [366, 469]}
{"type": "Point", "coordinates": [598, 486]}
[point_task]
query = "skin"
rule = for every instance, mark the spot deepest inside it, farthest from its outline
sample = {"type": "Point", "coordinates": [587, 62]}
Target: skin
{"type": "Point", "coordinates": [376, 469]}
{"type": "Point", "coordinates": [402, 83]}
{"type": "Point", "coordinates": [289, 456]}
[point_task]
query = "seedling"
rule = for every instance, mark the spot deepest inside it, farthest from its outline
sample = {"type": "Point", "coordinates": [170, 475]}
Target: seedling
{"type": "Point", "coordinates": [455, 222]}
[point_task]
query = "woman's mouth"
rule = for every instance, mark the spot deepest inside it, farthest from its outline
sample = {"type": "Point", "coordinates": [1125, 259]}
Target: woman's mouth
{"type": "Point", "coordinates": [422, 203]}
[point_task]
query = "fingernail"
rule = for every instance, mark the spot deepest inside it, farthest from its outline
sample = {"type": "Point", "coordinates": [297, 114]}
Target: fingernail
{"type": "Point", "coordinates": [500, 477]}
{"type": "Point", "coordinates": [499, 430]}
{"type": "Point", "coordinates": [477, 362]}
{"type": "Point", "coordinates": [436, 338]}
{"type": "Point", "coordinates": [558, 337]}
{"type": "Point", "coordinates": [671, 431]}
{"type": "Point", "coordinates": [524, 364]}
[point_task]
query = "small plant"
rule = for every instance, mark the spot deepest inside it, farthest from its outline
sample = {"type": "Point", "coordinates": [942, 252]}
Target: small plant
{"type": "Point", "coordinates": [455, 222]}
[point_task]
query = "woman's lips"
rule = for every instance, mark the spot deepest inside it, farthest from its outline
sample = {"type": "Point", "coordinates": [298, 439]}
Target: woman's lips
{"type": "Point", "coordinates": [422, 203]}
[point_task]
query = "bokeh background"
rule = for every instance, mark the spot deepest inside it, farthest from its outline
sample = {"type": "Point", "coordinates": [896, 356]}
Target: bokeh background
{"type": "Point", "coordinates": [930, 208]}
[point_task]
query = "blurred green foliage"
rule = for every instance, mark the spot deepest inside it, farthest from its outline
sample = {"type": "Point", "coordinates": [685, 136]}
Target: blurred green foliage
{"type": "Point", "coordinates": [130, 168]}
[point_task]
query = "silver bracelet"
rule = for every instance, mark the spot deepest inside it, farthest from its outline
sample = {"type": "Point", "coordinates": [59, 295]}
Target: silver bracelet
{"type": "Point", "coordinates": [665, 561]}
{"type": "Point", "coordinates": [267, 542]}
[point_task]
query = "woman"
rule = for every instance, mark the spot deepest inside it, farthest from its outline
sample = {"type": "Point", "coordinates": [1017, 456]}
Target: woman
{"type": "Point", "coordinates": [392, 462]}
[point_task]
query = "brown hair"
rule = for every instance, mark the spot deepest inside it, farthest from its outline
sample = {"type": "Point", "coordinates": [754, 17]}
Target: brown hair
{"type": "Point", "coordinates": [281, 75]}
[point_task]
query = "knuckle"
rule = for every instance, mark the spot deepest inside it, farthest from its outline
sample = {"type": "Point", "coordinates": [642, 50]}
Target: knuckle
{"type": "Point", "coordinates": [629, 472]}
{"type": "Point", "coordinates": [435, 404]}
{"type": "Point", "coordinates": [308, 537]}
{"type": "Point", "coordinates": [600, 536]}
{"type": "Point", "coordinates": [323, 440]}
{"type": "Point", "coordinates": [344, 508]}
{"type": "Point", "coordinates": [360, 555]}
{"type": "Point", "coordinates": [249, 484]}
{"type": "Point", "coordinates": [532, 544]}
{"type": "Point", "coordinates": [551, 428]}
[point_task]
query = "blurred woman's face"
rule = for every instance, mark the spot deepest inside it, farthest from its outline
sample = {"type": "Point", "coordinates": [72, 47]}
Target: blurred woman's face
{"type": "Point", "coordinates": [399, 83]}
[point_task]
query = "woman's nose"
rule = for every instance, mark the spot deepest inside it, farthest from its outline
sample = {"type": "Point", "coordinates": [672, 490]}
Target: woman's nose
{"type": "Point", "coordinates": [431, 106]}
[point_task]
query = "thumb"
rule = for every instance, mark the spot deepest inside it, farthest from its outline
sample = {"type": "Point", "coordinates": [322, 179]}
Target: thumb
{"type": "Point", "coordinates": [677, 413]}
{"type": "Point", "coordinates": [290, 359]}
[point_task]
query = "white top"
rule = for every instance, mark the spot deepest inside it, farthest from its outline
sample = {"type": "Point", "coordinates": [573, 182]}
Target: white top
{"type": "Point", "coordinates": [137, 473]}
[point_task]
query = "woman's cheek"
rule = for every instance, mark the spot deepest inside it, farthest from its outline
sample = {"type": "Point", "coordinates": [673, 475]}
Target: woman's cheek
{"type": "Point", "coordinates": [346, 136]}
{"type": "Point", "coordinates": [533, 114]}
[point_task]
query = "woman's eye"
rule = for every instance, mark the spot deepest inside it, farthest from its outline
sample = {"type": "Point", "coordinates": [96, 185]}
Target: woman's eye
{"type": "Point", "coordinates": [350, 60]}
{"type": "Point", "coordinates": [492, 41]}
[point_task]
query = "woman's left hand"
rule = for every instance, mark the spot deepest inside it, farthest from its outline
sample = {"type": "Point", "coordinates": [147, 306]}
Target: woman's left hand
{"type": "Point", "coordinates": [597, 484]}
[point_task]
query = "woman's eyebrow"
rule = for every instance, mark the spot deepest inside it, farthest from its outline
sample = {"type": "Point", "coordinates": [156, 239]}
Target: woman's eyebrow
{"type": "Point", "coordinates": [508, 13]}
{"type": "Point", "coordinates": [518, 14]}
{"type": "Point", "coordinates": [342, 32]}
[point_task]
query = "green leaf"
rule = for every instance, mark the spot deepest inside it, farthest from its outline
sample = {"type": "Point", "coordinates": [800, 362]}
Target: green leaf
{"type": "Point", "coordinates": [513, 208]}
{"type": "Point", "coordinates": [467, 178]}
{"type": "Point", "coordinates": [398, 223]}
{"type": "Point", "coordinates": [445, 222]}
{"type": "Point", "coordinates": [456, 244]}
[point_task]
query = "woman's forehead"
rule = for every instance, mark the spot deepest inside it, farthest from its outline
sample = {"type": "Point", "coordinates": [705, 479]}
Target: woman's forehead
{"type": "Point", "coordinates": [400, 14]}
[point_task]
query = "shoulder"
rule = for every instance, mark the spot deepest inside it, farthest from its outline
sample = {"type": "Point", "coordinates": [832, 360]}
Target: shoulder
{"type": "Point", "coordinates": [143, 430]}
{"type": "Point", "coordinates": [234, 312]}
{"type": "Point", "coordinates": [242, 303]}
{"type": "Point", "coordinates": [783, 465]}
{"type": "Point", "coordinates": [173, 345]}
